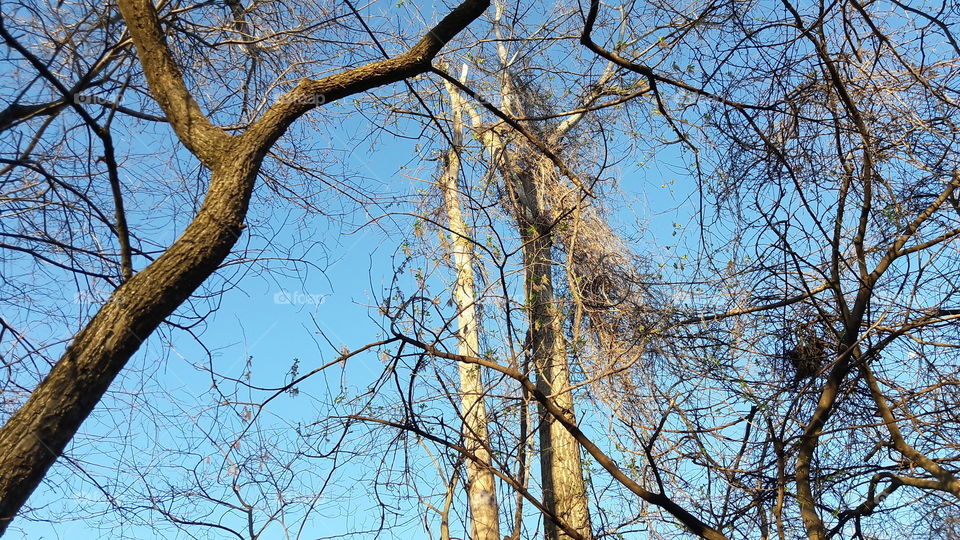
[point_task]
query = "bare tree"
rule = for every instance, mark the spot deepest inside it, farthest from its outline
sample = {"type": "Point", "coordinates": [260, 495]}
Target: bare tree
{"type": "Point", "coordinates": [832, 166]}
{"type": "Point", "coordinates": [780, 362]}
{"type": "Point", "coordinates": [34, 436]}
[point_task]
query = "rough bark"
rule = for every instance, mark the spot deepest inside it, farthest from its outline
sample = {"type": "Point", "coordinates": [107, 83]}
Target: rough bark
{"type": "Point", "coordinates": [481, 487]}
{"type": "Point", "coordinates": [562, 476]}
{"type": "Point", "coordinates": [564, 489]}
{"type": "Point", "coordinates": [34, 437]}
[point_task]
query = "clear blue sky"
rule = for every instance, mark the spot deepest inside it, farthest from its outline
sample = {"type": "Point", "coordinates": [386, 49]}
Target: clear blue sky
{"type": "Point", "coordinates": [274, 320]}
{"type": "Point", "coordinates": [268, 321]}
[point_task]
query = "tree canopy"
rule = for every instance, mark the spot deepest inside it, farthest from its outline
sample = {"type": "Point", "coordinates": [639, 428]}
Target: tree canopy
{"type": "Point", "coordinates": [473, 270]}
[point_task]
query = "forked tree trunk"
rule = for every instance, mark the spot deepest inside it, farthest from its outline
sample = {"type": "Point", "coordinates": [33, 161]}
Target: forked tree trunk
{"type": "Point", "coordinates": [525, 172]}
{"type": "Point", "coordinates": [33, 438]}
{"type": "Point", "coordinates": [564, 488]}
{"type": "Point", "coordinates": [481, 486]}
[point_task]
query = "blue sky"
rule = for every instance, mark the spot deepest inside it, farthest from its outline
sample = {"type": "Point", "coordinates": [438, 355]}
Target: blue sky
{"type": "Point", "coordinates": [268, 321]}
{"type": "Point", "coordinates": [256, 321]}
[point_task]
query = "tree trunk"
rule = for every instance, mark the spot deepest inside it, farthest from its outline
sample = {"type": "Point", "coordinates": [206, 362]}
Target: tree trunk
{"type": "Point", "coordinates": [37, 433]}
{"type": "Point", "coordinates": [481, 487]}
{"type": "Point", "coordinates": [562, 476]}
{"type": "Point", "coordinates": [564, 488]}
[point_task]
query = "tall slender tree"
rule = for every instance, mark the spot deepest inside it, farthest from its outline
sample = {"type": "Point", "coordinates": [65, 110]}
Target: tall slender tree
{"type": "Point", "coordinates": [481, 486]}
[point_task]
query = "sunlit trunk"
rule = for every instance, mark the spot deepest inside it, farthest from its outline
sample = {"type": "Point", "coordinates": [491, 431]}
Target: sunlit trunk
{"type": "Point", "coordinates": [481, 489]}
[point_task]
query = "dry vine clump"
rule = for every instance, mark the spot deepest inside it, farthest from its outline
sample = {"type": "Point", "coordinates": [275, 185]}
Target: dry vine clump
{"type": "Point", "coordinates": [608, 286]}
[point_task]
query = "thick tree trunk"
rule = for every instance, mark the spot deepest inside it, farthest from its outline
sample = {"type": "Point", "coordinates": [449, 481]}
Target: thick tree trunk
{"type": "Point", "coordinates": [562, 475]}
{"type": "Point", "coordinates": [564, 488]}
{"type": "Point", "coordinates": [33, 438]}
{"type": "Point", "coordinates": [37, 433]}
{"type": "Point", "coordinates": [481, 486]}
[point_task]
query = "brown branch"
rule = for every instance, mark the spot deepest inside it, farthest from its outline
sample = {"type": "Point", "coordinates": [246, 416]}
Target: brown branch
{"type": "Point", "coordinates": [193, 128]}
{"type": "Point", "coordinates": [102, 132]}
{"type": "Point", "coordinates": [945, 480]}
{"type": "Point", "coordinates": [309, 93]}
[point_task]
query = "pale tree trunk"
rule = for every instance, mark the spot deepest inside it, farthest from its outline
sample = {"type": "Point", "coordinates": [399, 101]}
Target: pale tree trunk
{"type": "Point", "coordinates": [561, 474]}
{"type": "Point", "coordinates": [34, 437]}
{"type": "Point", "coordinates": [481, 489]}
{"type": "Point", "coordinates": [564, 488]}
{"type": "Point", "coordinates": [528, 177]}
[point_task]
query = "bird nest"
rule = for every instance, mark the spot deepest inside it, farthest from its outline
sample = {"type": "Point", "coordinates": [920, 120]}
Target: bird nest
{"type": "Point", "coordinates": [807, 355]}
